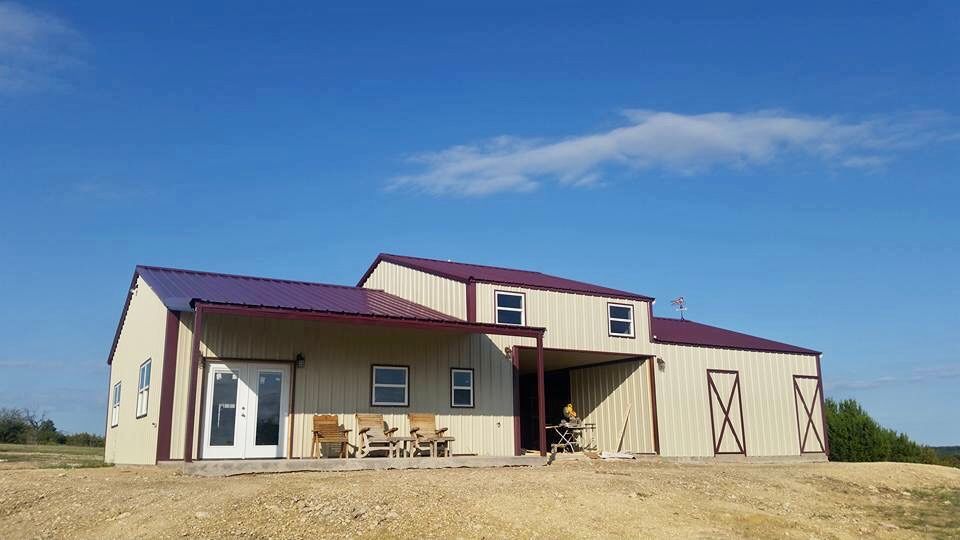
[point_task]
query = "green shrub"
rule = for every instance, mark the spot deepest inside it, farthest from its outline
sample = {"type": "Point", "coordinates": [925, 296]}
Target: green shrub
{"type": "Point", "coordinates": [855, 436]}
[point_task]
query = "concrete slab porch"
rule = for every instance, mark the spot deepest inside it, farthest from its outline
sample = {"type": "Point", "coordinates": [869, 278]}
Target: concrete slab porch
{"type": "Point", "coordinates": [232, 467]}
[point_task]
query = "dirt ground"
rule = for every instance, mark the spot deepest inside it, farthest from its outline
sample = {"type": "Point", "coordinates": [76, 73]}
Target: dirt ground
{"type": "Point", "coordinates": [579, 498]}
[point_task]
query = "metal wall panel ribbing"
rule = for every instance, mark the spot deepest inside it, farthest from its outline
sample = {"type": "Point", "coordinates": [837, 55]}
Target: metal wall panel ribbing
{"type": "Point", "coordinates": [766, 387]}
{"type": "Point", "coordinates": [603, 394]}
{"type": "Point", "coordinates": [435, 292]}
{"type": "Point", "coordinates": [336, 376]}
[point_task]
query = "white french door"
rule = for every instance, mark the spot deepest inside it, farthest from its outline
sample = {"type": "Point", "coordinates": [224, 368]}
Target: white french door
{"type": "Point", "coordinates": [245, 411]}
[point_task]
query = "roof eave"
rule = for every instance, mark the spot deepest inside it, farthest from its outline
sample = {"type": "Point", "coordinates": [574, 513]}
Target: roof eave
{"type": "Point", "coordinates": [387, 320]}
{"type": "Point", "coordinates": [386, 257]}
{"type": "Point", "coordinates": [796, 350]}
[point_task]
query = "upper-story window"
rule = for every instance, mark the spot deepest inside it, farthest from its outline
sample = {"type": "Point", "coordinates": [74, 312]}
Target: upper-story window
{"type": "Point", "coordinates": [510, 308]}
{"type": "Point", "coordinates": [620, 319]}
{"type": "Point", "coordinates": [143, 389]}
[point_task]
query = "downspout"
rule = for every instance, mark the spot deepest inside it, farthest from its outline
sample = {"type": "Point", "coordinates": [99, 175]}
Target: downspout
{"type": "Point", "coordinates": [188, 446]}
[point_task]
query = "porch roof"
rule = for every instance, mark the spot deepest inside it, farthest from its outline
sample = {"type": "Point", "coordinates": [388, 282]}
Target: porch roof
{"type": "Point", "coordinates": [183, 290]}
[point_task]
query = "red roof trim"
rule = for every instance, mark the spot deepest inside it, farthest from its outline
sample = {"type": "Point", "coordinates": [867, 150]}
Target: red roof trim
{"type": "Point", "coordinates": [775, 346]}
{"type": "Point", "coordinates": [452, 324]}
{"type": "Point", "coordinates": [403, 260]}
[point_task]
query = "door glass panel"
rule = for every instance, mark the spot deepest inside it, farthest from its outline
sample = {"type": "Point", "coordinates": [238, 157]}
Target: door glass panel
{"type": "Point", "coordinates": [224, 411]}
{"type": "Point", "coordinates": [268, 408]}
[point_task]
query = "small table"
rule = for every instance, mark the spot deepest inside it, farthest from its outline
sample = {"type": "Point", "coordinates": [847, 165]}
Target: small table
{"type": "Point", "coordinates": [573, 437]}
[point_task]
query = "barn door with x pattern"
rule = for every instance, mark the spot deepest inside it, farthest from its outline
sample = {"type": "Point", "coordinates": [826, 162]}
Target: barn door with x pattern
{"type": "Point", "coordinates": [726, 412]}
{"type": "Point", "coordinates": [806, 394]}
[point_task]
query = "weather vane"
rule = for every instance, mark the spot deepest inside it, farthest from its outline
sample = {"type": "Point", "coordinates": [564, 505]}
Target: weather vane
{"type": "Point", "coordinates": [680, 305]}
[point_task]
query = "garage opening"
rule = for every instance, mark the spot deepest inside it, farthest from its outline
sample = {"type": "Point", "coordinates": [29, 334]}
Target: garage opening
{"type": "Point", "coordinates": [611, 390]}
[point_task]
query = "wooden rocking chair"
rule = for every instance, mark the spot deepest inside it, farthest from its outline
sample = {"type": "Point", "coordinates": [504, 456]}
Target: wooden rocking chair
{"type": "Point", "coordinates": [327, 430]}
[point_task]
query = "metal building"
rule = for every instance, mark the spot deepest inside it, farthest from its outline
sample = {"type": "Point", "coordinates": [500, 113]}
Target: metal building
{"type": "Point", "coordinates": [218, 366]}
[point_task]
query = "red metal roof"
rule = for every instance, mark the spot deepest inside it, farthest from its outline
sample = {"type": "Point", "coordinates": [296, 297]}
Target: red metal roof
{"type": "Point", "coordinates": [504, 276]}
{"type": "Point", "coordinates": [684, 332]}
{"type": "Point", "coordinates": [178, 289]}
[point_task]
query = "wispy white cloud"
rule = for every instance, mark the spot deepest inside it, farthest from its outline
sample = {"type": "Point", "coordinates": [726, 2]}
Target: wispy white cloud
{"type": "Point", "coordinates": [36, 49]}
{"type": "Point", "coordinates": [917, 375]}
{"type": "Point", "coordinates": [677, 143]}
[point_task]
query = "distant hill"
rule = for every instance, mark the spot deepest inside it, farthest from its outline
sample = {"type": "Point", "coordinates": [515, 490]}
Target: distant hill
{"type": "Point", "coordinates": [946, 450]}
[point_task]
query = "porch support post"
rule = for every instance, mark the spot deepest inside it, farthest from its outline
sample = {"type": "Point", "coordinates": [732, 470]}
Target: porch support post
{"type": "Point", "coordinates": [541, 398]}
{"type": "Point", "coordinates": [515, 355]}
{"type": "Point", "coordinates": [188, 446]}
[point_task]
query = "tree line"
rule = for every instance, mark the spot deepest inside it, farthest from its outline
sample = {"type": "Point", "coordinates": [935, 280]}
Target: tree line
{"type": "Point", "coordinates": [855, 436]}
{"type": "Point", "coordinates": [21, 426]}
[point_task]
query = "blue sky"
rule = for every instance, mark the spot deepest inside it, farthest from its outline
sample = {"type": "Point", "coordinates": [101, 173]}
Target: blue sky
{"type": "Point", "coordinates": [793, 172]}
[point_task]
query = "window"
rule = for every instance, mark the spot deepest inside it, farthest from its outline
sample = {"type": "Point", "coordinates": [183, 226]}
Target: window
{"type": "Point", "coordinates": [115, 409]}
{"type": "Point", "coordinates": [143, 389]}
{"type": "Point", "coordinates": [390, 386]}
{"type": "Point", "coordinates": [621, 319]}
{"type": "Point", "coordinates": [461, 387]}
{"type": "Point", "coordinates": [510, 308]}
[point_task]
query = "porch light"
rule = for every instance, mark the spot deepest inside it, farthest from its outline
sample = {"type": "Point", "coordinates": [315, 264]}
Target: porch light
{"type": "Point", "coordinates": [661, 363]}
{"type": "Point", "coordinates": [300, 360]}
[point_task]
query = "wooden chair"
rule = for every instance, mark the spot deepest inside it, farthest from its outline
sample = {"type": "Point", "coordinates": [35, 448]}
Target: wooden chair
{"type": "Point", "coordinates": [327, 430]}
{"type": "Point", "coordinates": [373, 438]}
{"type": "Point", "coordinates": [423, 428]}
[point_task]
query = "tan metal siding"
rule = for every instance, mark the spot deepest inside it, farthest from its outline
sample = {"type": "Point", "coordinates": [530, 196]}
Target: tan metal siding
{"type": "Point", "coordinates": [573, 321]}
{"type": "Point", "coordinates": [134, 440]}
{"type": "Point", "coordinates": [603, 394]}
{"type": "Point", "coordinates": [766, 387]}
{"type": "Point", "coordinates": [336, 376]}
{"type": "Point", "coordinates": [439, 293]}
{"type": "Point", "coordinates": [178, 423]}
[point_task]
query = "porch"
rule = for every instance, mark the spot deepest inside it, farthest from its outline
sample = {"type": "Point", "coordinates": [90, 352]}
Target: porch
{"type": "Point", "coordinates": [259, 376]}
{"type": "Point", "coordinates": [235, 467]}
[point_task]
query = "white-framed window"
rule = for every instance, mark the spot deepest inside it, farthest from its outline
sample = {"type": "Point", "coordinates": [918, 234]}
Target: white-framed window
{"type": "Point", "coordinates": [115, 406]}
{"type": "Point", "coordinates": [620, 319]}
{"type": "Point", "coordinates": [461, 387]}
{"type": "Point", "coordinates": [390, 386]}
{"type": "Point", "coordinates": [143, 389]}
{"type": "Point", "coordinates": [510, 308]}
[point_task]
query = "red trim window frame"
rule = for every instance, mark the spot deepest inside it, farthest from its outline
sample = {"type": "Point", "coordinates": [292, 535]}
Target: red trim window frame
{"type": "Point", "coordinates": [632, 320]}
{"type": "Point", "coordinates": [522, 309]}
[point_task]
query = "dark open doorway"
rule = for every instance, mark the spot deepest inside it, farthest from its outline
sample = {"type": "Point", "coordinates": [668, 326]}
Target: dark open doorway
{"type": "Point", "coordinates": [556, 396]}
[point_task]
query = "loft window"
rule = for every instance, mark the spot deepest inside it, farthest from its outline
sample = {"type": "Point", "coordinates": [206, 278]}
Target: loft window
{"type": "Point", "coordinates": [620, 319]}
{"type": "Point", "coordinates": [510, 308]}
{"type": "Point", "coordinates": [115, 408]}
{"type": "Point", "coordinates": [390, 386]}
{"type": "Point", "coordinates": [461, 387]}
{"type": "Point", "coordinates": [143, 389]}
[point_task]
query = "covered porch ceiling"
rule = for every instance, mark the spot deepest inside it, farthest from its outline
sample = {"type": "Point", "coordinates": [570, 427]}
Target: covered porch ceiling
{"type": "Point", "coordinates": [561, 359]}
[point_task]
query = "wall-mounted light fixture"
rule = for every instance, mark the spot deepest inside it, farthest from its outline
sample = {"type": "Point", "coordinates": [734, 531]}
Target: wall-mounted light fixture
{"type": "Point", "coordinates": [508, 351]}
{"type": "Point", "coordinates": [300, 360]}
{"type": "Point", "coordinates": [661, 363]}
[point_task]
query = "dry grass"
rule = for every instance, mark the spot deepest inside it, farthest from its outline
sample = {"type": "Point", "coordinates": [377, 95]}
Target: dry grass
{"type": "Point", "coordinates": [581, 499]}
{"type": "Point", "coordinates": [49, 456]}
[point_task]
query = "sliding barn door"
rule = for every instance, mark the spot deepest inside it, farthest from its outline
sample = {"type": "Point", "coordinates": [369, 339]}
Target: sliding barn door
{"type": "Point", "coordinates": [726, 412]}
{"type": "Point", "coordinates": [806, 394]}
